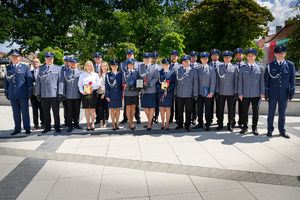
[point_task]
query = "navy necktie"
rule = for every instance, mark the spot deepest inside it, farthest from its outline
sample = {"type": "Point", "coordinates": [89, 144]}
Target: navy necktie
{"type": "Point", "coordinates": [251, 66]}
{"type": "Point", "coordinates": [226, 66]}
{"type": "Point", "coordinates": [73, 72]}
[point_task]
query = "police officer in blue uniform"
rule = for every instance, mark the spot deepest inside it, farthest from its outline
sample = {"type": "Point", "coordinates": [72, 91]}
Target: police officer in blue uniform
{"type": "Point", "coordinates": [279, 88]}
{"type": "Point", "coordinates": [215, 55]}
{"type": "Point", "coordinates": [113, 93]}
{"type": "Point", "coordinates": [148, 94]}
{"type": "Point", "coordinates": [72, 93]}
{"type": "Point", "coordinates": [186, 90]}
{"type": "Point", "coordinates": [18, 88]}
{"type": "Point", "coordinates": [174, 66]}
{"type": "Point", "coordinates": [251, 89]}
{"type": "Point", "coordinates": [154, 60]}
{"type": "Point", "coordinates": [195, 65]}
{"type": "Point", "coordinates": [131, 92]}
{"type": "Point", "coordinates": [97, 66]}
{"type": "Point", "coordinates": [206, 90]}
{"type": "Point", "coordinates": [226, 88]}
{"type": "Point", "coordinates": [239, 56]}
{"type": "Point", "coordinates": [49, 88]}
{"type": "Point", "coordinates": [123, 68]}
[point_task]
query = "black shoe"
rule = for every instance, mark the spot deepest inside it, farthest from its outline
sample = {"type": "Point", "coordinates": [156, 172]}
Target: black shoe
{"type": "Point", "coordinates": [229, 128]}
{"type": "Point", "coordinates": [114, 129]}
{"type": "Point", "coordinates": [187, 128]}
{"type": "Point", "coordinates": [69, 129]}
{"type": "Point", "coordinates": [97, 122]}
{"type": "Point", "coordinates": [138, 121]}
{"type": "Point", "coordinates": [162, 128]}
{"type": "Point", "coordinates": [15, 132]}
{"type": "Point", "coordinates": [244, 130]}
{"type": "Point", "coordinates": [123, 121]}
{"type": "Point", "coordinates": [219, 127]}
{"type": "Point", "coordinates": [254, 131]}
{"type": "Point", "coordinates": [207, 128]}
{"type": "Point", "coordinates": [284, 135]}
{"type": "Point", "coordinates": [27, 132]}
{"type": "Point", "coordinates": [155, 121]}
{"type": "Point", "coordinates": [46, 130]}
{"type": "Point", "coordinates": [241, 126]}
{"type": "Point", "coordinates": [57, 130]}
{"type": "Point", "coordinates": [269, 134]}
{"type": "Point", "coordinates": [194, 122]}
{"type": "Point", "coordinates": [178, 127]}
{"type": "Point", "coordinates": [167, 129]}
{"type": "Point", "coordinates": [35, 127]}
{"type": "Point", "coordinates": [132, 128]}
{"type": "Point", "coordinates": [198, 126]}
{"type": "Point", "coordinates": [149, 129]}
{"type": "Point", "coordinates": [78, 127]}
{"type": "Point", "coordinates": [145, 126]}
{"type": "Point", "coordinates": [233, 124]}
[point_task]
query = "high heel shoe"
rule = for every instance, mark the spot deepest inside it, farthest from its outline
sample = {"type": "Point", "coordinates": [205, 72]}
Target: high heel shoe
{"type": "Point", "coordinates": [162, 128]}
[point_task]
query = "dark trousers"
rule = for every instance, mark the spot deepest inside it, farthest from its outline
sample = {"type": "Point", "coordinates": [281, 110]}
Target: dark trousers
{"type": "Point", "coordinates": [187, 104]}
{"type": "Point", "coordinates": [156, 114]}
{"type": "Point", "coordinates": [174, 109]}
{"type": "Point", "coordinates": [221, 105]}
{"type": "Point", "coordinates": [282, 104]}
{"type": "Point", "coordinates": [54, 103]}
{"type": "Point", "coordinates": [36, 107]}
{"type": "Point", "coordinates": [195, 110]}
{"type": "Point", "coordinates": [201, 102]}
{"type": "Point", "coordinates": [65, 111]}
{"type": "Point", "coordinates": [97, 110]}
{"type": "Point", "coordinates": [217, 107]}
{"type": "Point", "coordinates": [73, 108]}
{"type": "Point", "coordinates": [137, 113]}
{"type": "Point", "coordinates": [20, 106]}
{"type": "Point", "coordinates": [102, 108]}
{"type": "Point", "coordinates": [246, 104]}
{"type": "Point", "coordinates": [240, 122]}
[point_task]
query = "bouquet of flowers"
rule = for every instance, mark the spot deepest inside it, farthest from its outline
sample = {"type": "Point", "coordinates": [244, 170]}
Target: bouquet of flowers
{"type": "Point", "coordinates": [165, 88]}
{"type": "Point", "coordinates": [89, 96]}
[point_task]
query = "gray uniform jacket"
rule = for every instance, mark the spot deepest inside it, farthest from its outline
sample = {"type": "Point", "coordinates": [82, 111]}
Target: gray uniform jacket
{"type": "Point", "coordinates": [227, 80]}
{"type": "Point", "coordinates": [130, 79]}
{"type": "Point", "coordinates": [71, 78]}
{"type": "Point", "coordinates": [186, 85]}
{"type": "Point", "coordinates": [251, 83]}
{"type": "Point", "coordinates": [151, 74]}
{"type": "Point", "coordinates": [195, 65]}
{"type": "Point", "coordinates": [49, 82]}
{"type": "Point", "coordinates": [206, 79]}
{"type": "Point", "coordinates": [175, 66]}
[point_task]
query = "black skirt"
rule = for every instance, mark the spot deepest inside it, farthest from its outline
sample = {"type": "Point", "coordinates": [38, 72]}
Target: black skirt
{"type": "Point", "coordinates": [131, 100]}
{"type": "Point", "coordinates": [89, 102]}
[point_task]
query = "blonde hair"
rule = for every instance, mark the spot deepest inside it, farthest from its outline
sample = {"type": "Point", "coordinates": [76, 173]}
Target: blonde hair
{"type": "Point", "coordinates": [100, 70]}
{"type": "Point", "coordinates": [88, 63]}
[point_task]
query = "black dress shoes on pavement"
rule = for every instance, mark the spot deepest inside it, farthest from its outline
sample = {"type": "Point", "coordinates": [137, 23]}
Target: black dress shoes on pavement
{"type": "Point", "coordinates": [207, 128]}
{"type": "Point", "coordinates": [244, 130]}
{"type": "Point", "coordinates": [284, 135]}
{"type": "Point", "coordinates": [27, 132]}
{"type": "Point", "coordinates": [57, 130]}
{"type": "Point", "coordinates": [178, 127]}
{"type": "Point", "coordinates": [15, 132]}
{"type": "Point", "coordinates": [69, 129]}
{"type": "Point", "coordinates": [229, 128]}
{"type": "Point", "coordinates": [77, 127]}
{"type": "Point", "coordinates": [219, 127]}
{"type": "Point", "coordinates": [198, 126]}
{"type": "Point", "coordinates": [187, 128]}
{"type": "Point", "coordinates": [254, 131]}
{"type": "Point", "coordinates": [269, 134]}
{"type": "Point", "coordinates": [46, 130]}
{"type": "Point", "coordinates": [138, 121]}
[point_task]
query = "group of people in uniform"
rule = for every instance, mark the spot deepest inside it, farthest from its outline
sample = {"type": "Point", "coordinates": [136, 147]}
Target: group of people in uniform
{"type": "Point", "coordinates": [170, 89]}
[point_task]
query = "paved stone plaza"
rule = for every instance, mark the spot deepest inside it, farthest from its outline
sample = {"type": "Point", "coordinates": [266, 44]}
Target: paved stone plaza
{"type": "Point", "coordinates": [144, 165]}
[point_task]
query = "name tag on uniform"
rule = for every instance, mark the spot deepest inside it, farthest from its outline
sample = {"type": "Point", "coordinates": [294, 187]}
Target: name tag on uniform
{"type": "Point", "coordinates": [164, 85]}
{"type": "Point", "coordinates": [139, 83]}
{"type": "Point", "coordinates": [87, 89]}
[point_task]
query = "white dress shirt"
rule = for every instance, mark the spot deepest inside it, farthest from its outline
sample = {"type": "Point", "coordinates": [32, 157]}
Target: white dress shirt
{"type": "Point", "coordinates": [85, 78]}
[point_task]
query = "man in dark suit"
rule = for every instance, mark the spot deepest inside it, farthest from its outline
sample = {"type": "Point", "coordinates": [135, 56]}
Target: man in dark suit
{"type": "Point", "coordinates": [35, 103]}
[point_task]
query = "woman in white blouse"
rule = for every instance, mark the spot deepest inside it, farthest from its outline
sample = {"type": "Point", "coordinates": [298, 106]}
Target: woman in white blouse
{"type": "Point", "coordinates": [88, 85]}
{"type": "Point", "coordinates": [102, 104]}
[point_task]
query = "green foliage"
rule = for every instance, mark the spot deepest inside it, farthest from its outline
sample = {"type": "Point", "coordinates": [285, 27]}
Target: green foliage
{"type": "Point", "coordinates": [121, 51]}
{"type": "Point", "coordinates": [293, 45]}
{"type": "Point", "coordinates": [224, 24]}
{"type": "Point", "coordinates": [170, 42]}
{"type": "Point", "coordinates": [58, 55]}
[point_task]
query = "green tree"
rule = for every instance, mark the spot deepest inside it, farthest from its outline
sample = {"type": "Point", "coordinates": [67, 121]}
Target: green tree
{"type": "Point", "coordinates": [58, 55]}
{"type": "Point", "coordinates": [170, 42]}
{"type": "Point", "coordinates": [293, 45]}
{"type": "Point", "coordinates": [224, 24]}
